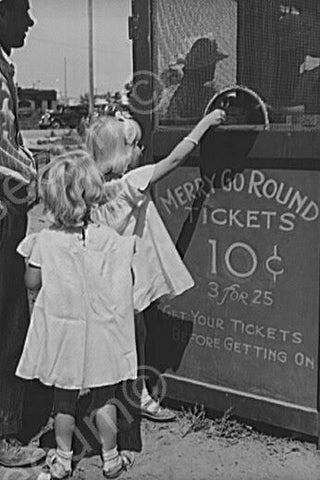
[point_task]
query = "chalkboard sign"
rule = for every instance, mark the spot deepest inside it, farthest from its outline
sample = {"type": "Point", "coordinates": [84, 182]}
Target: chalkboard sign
{"type": "Point", "coordinates": [250, 237]}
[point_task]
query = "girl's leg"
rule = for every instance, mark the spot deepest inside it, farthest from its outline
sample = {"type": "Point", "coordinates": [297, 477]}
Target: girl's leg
{"type": "Point", "coordinates": [64, 427]}
{"type": "Point", "coordinates": [150, 408]}
{"type": "Point", "coordinates": [104, 404]}
{"type": "Point", "coordinates": [64, 406]}
{"type": "Point", "coordinates": [59, 460]}
{"type": "Point", "coordinates": [141, 337]}
{"type": "Point", "coordinates": [106, 419]}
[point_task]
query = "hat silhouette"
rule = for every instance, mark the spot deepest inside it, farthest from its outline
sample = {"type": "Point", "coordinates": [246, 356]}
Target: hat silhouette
{"type": "Point", "coordinates": [204, 52]}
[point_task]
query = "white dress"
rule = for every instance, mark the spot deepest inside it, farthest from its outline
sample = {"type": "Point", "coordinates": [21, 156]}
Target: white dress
{"type": "Point", "coordinates": [129, 209]}
{"type": "Point", "coordinates": [81, 333]}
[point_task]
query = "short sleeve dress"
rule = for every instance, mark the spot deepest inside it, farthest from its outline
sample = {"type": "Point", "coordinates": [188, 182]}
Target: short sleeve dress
{"type": "Point", "coordinates": [129, 209]}
{"type": "Point", "coordinates": [81, 333]}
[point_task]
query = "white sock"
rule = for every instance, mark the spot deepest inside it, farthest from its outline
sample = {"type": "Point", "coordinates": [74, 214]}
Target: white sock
{"type": "Point", "coordinates": [145, 395]}
{"type": "Point", "coordinates": [111, 458]}
{"type": "Point", "coordinates": [65, 458]}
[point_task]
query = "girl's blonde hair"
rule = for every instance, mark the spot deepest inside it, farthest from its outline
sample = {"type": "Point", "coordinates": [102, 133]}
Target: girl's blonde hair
{"type": "Point", "coordinates": [108, 139]}
{"type": "Point", "coordinates": [69, 186]}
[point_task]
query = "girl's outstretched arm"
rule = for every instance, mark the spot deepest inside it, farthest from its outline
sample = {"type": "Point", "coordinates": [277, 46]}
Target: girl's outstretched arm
{"type": "Point", "coordinates": [32, 277]}
{"type": "Point", "coordinates": [185, 147]}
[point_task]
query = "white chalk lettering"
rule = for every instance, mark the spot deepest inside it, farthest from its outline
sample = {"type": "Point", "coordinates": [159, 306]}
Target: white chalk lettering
{"type": "Point", "coordinates": [189, 189]}
{"type": "Point", "coordinates": [234, 220]}
{"type": "Point", "coordinates": [181, 195]}
{"type": "Point", "coordinates": [285, 199]}
{"type": "Point", "coordinates": [272, 264]}
{"type": "Point", "coordinates": [218, 216]}
{"type": "Point", "coordinates": [251, 219]}
{"type": "Point", "coordinates": [207, 320]}
{"type": "Point", "coordinates": [209, 184]}
{"type": "Point", "coordinates": [270, 192]}
{"type": "Point", "coordinates": [213, 255]}
{"type": "Point", "coordinates": [169, 201]}
{"type": "Point", "coordinates": [269, 215]}
{"type": "Point", "coordinates": [252, 254]}
{"type": "Point", "coordinates": [257, 184]}
{"type": "Point", "coordinates": [180, 335]}
{"type": "Point", "coordinates": [226, 180]}
{"type": "Point", "coordinates": [205, 341]}
{"type": "Point", "coordinates": [287, 222]}
{"type": "Point", "coordinates": [252, 329]}
{"type": "Point", "coordinates": [256, 180]}
{"type": "Point", "coordinates": [259, 352]}
{"type": "Point", "coordinates": [168, 310]}
{"type": "Point", "coordinates": [311, 212]}
{"type": "Point", "coordinates": [239, 182]}
{"type": "Point", "coordinates": [232, 293]}
{"type": "Point", "coordinates": [297, 202]}
{"type": "Point", "coordinates": [292, 199]}
{"type": "Point", "coordinates": [303, 360]}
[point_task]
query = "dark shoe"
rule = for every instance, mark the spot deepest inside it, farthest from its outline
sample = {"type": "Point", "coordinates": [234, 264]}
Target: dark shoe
{"type": "Point", "coordinates": [14, 454]}
{"type": "Point", "coordinates": [125, 461]}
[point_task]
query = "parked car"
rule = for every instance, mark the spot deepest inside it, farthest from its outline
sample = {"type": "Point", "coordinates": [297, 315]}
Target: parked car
{"type": "Point", "coordinates": [63, 117]}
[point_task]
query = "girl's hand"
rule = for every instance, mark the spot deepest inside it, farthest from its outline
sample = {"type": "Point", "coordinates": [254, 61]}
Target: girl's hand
{"type": "Point", "coordinates": [185, 147]}
{"type": "Point", "coordinates": [215, 118]}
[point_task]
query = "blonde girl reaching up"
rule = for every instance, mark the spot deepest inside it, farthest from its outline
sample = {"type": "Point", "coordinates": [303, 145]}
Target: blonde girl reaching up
{"type": "Point", "coordinates": [115, 144]}
{"type": "Point", "coordinates": [82, 328]}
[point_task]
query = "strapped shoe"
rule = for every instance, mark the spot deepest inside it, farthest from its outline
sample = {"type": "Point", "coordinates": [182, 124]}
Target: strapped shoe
{"type": "Point", "coordinates": [152, 410]}
{"type": "Point", "coordinates": [14, 454]}
{"type": "Point", "coordinates": [124, 462]}
{"type": "Point", "coordinates": [54, 468]}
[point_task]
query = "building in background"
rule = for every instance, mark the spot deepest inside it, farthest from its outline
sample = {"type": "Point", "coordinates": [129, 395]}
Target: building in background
{"type": "Point", "coordinates": [31, 100]}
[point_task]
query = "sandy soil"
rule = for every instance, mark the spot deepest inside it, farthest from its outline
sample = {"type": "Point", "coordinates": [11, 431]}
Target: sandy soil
{"type": "Point", "coordinates": [169, 453]}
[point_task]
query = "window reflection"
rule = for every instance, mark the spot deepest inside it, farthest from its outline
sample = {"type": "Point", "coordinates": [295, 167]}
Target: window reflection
{"type": "Point", "coordinates": [270, 46]}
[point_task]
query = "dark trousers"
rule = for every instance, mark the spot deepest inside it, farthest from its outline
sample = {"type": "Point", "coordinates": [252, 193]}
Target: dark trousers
{"type": "Point", "coordinates": [14, 311]}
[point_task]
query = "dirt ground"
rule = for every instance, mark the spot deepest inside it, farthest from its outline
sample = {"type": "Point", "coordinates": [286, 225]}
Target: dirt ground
{"type": "Point", "coordinates": [168, 454]}
{"type": "Point", "coordinates": [194, 447]}
{"type": "Point", "coordinates": [176, 451]}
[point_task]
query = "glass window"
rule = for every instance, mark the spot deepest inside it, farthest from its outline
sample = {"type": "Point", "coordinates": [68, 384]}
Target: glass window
{"type": "Point", "coordinates": [201, 48]}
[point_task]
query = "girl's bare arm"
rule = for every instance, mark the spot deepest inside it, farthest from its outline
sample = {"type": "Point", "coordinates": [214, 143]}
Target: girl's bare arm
{"type": "Point", "coordinates": [185, 147]}
{"type": "Point", "coordinates": [32, 277]}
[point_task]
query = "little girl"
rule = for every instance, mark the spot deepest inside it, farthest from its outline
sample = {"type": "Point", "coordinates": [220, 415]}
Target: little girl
{"type": "Point", "coordinates": [114, 143]}
{"type": "Point", "coordinates": [82, 328]}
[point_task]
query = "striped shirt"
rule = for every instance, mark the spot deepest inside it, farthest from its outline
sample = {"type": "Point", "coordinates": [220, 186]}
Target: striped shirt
{"type": "Point", "coordinates": [15, 160]}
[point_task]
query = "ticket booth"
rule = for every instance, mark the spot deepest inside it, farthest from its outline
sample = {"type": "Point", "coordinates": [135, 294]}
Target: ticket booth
{"type": "Point", "coordinates": [244, 209]}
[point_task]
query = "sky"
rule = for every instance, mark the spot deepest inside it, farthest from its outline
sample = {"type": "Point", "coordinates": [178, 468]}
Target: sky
{"type": "Point", "coordinates": [60, 37]}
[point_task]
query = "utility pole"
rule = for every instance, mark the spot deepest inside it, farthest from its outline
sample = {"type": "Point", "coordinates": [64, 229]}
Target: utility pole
{"type": "Point", "coordinates": [90, 37]}
{"type": "Point", "coordinates": [65, 80]}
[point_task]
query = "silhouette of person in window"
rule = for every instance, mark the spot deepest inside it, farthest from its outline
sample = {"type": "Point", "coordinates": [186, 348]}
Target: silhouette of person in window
{"type": "Point", "coordinates": [300, 42]}
{"type": "Point", "coordinates": [195, 91]}
{"type": "Point", "coordinates": [308, 87]}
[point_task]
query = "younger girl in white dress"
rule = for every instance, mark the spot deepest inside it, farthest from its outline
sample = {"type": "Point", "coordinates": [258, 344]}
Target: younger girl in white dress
{"type": "Point", "coordinates": [114, 142]}
{"type": "Point", "coordinates": [82, 328]}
